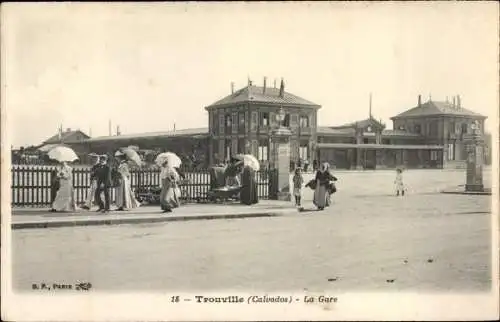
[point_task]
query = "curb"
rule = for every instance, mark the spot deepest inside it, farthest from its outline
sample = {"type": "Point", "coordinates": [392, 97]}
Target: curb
{"type": "Point", "coordinates": [136, 220]}
{"type": "Point", "coordinates": [472, 193]}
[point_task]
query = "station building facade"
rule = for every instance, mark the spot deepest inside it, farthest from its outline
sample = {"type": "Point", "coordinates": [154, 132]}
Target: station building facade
{"type": "Point", "coordinates": [429, 135]}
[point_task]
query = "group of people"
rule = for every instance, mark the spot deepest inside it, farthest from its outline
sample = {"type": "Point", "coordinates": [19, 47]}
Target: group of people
{"type": "Point", "coordinates": [101, 182]}
{"type": "Point", "coordinates": [324, 186]}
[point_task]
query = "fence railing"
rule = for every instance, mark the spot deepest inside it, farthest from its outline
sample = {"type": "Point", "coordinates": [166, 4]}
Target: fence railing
{"type": "Point", "coordinates": [31, 184]}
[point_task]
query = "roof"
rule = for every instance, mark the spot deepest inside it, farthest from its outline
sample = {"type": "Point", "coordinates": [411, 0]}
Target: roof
{"type": "Point", "coordinates": [185, 132]}
{"type": "Point", "coordinates": [361, 124]}
{"type": "Point", "coordinates": [437, 108]}
{"type": "Point", "coordinates": [66, 137]}
{"type": "Point", "coordinates": [379, 146]}
{"type": "Point", "coordinates": [256, 94]}
{"type": "Point", "coordinates": [334, 131]}
{"type": "Point", "coordinates": [399, 133]}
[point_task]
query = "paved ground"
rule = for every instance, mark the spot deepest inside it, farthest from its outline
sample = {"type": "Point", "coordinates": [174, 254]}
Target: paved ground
{"type": "Point", "coordinates": [368, 237]}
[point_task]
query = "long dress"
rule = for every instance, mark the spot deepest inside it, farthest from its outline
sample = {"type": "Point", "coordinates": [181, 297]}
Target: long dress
{"type": "Point", "coordinates": [93, 186]}
{"type": "Point", "coordinates": [321, 193]}
{"type": "Point", "coordinates": [125, 198]}
{"type": "Point", "coordinates": [170, 192]}
{"type": "Point", "coordinates": [65, 197]}
{"type": "Point", "coordinates": [400, 187]}
{"type": "Point", "coordinates": [248, 194]}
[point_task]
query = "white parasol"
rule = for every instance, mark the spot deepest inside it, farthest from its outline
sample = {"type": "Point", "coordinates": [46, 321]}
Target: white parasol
{"type": "Point", "coordinates": [170, 157]}
{"type": "Point", "coordinates": [251, 161]}
{"type": "Point", "coordinates": [62, 154]}
{"type": "Point", "coordinates": [130, 154]}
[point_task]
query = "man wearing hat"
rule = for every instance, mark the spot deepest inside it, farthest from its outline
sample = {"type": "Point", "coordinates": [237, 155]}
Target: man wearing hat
{"type": "Point", "coordinates": [93, 182]}
{"type": "Point", "coordinates": [103, 179]}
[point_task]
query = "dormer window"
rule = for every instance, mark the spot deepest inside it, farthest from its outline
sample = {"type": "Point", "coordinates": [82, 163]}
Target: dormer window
{"type": "Point", "coordinates": [369, 129]}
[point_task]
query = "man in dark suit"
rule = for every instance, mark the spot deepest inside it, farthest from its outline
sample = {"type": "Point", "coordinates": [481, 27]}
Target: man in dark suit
{"type": "Point", "coordinates": [103, 178]}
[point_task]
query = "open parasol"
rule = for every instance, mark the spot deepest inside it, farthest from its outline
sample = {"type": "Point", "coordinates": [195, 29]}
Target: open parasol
{"type": "Point", "coordinates": [251, 161]}
{"type": "Point", "coordinates": [170, 157]}
{"type": "Point", "coordinates": [131, 155]}
{"type": "Point", "coordinates": [62, 154]}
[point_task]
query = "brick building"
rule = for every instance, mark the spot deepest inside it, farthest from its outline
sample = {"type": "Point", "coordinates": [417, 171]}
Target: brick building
{"type": "Point", "coordinates": [243, 122]}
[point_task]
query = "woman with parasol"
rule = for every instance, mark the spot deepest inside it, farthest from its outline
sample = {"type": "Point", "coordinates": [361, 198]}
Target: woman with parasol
{"type": "Point", "coordinates": [125, 198]}
{"type": "Point", "coordinates": [169, 176]}
{"type": "Point", "coordinates": [65, 196]}
{"type": "Point", "coordinates": [248, 194]}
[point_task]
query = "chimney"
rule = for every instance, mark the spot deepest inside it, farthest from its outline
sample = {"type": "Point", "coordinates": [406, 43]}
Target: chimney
{"type": "Point", "coordinates": [174, 127]}
{"type": "Point", "coordinates": [459, 104]}
{"type": "Point", "coordinates": [265, 81]}
{"type": "Point", "coordinates": [118, 130]}
{"type": "Point", "coordinates": [109, 128]}
{"type": "Point", "coordinates": [68, 129]}
{"type": "Point", "coordinates": [275, 83]}
{"type": "Point", "coordinates": [282, 88]}
{"type": "Point", "coordinates": [454, 101]}
{"type": "Point", "coordinates": [232, 87]}
{"type": "Point", "coordinates": [419, 100]}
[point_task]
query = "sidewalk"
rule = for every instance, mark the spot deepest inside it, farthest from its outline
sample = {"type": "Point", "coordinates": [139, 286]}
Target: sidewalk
{"type": "Point", "coordinates": [41, 218]}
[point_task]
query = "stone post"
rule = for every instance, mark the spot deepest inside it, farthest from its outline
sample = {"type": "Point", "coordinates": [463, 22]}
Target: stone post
{"type": "Point", "coordinates": [474, 175]}
{"type": "Point", "coordinates": [281, 161]}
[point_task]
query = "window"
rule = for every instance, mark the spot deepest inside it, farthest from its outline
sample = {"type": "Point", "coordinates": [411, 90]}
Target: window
{"type": "Point", "coordinates": [304, 121]}
{"type": "Point", "coordinates": [241, 121]}
{"type": "Point", "coordinates": [451, 128]}
{"type": "Point", "coordinates": [365, 140]}
{"type": "Point", "coordinates": [434, 155]}
{"type": "Point", "coordinates": [263, 150]}
{"type": "Point", "coordinates": [227, 150]}
{"type": "Point", "coordinates": [241, 146]}
{"type": "Point", "coordinates": [227, 120]}
{"type": "Point", "coordinates": [303, 151]}
{"type": "Point", "coordinates": [464, 128]}
{"type": "Point", "coordinates": [286, 121]}
{"type": "Point", "coordinates": [433, 129]}
{"type": "Point", "coordinates": [264, 119]}
{"type": "Point", "coordinates": [418, 128]}
{"type": "Point", "coordinates": [451, 151]}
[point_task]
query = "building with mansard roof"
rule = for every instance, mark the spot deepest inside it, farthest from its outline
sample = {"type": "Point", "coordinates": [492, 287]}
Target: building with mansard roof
{"type": "Point", "coordinates": [428, 135]}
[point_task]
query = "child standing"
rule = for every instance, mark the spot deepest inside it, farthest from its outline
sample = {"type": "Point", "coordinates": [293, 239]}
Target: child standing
{"type": "Point", "coordinates": [399, 182]}
{"type": "Point", "coordinates": [298, 180]}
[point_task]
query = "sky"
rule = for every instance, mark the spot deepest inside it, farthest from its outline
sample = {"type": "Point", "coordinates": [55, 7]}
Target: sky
{"type": "Point", "coordinates": [147, 67]}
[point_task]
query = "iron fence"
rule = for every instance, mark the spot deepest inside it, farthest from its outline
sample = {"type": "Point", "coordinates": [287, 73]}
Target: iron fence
{"type": "Point", "coordinates": [31, 184]}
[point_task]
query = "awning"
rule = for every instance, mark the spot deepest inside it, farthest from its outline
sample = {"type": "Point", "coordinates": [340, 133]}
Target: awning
{"type": "Point", "coordinates": [378, 146]}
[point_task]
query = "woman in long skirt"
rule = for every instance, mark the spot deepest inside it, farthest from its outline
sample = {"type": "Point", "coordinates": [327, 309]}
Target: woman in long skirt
{"type": "Point", "coordinates": [65, 197]}
{"type": "Point", "coordinates": [125, 198]}
{"type": "Point", "coordinates": [248, 194]}
{"type": "Point", "coordinates": [322, 191]}
{"type": "Point", "coordinates": [170, 192]}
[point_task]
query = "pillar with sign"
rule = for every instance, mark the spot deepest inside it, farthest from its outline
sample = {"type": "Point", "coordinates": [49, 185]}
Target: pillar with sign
{"type": "Point", "coordinates": [280, 156]}
{"type": "Point", "coordinates": [474, 174]}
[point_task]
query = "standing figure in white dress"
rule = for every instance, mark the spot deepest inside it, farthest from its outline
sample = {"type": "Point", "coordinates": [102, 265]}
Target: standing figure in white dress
{"type": "Point", "coordinates": [65, 197]}
{"type": "Point", "coordinates": [125, 198]}
{"type": "Point", "coordinates": [400, 187]}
